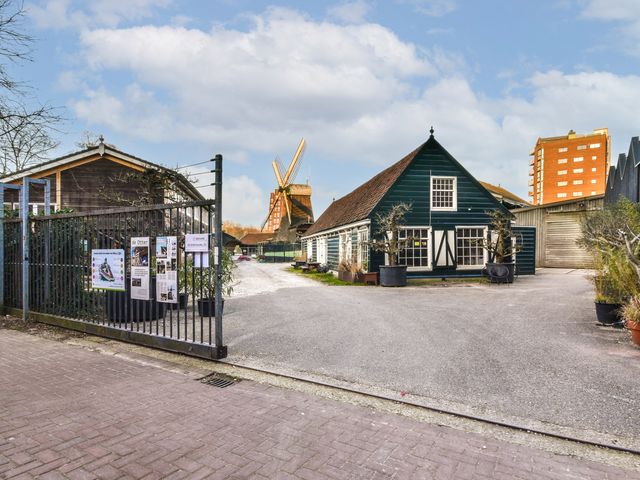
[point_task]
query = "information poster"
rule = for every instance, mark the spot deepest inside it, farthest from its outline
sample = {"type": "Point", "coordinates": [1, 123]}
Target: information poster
{"type": "Point", "coordinates": [167, 269]}
{"type": "Point", "coordinates": [107, 269]}
{"type": "Point", "coordinates": [196, 242]}
{"type": "Point", "coordinates": [140, 273]}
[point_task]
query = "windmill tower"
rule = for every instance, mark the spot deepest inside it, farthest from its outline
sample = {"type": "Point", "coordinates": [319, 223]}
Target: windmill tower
{"type": "Point", "coordinates": [289, 203]}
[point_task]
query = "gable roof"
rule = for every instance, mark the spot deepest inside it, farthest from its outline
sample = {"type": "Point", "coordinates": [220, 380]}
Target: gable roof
{"type": "Point", "coordinates": [255, 238]}
{"type": "Point", "coordinates": [503, 192]}
{"type": "Point", "coordinates": [96, 153]}
{"type": "Point", "coordinates": [358, 204]}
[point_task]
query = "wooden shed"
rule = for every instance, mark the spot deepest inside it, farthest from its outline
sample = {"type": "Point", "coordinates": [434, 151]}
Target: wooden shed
{"type": "Point", "coordinates": [98, 177]}
{"type": "Point", "coordinates": [558, 229]}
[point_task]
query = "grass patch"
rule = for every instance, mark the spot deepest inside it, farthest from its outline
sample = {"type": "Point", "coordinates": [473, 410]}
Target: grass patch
{"type": "Point", "coordinates": [326, 278]}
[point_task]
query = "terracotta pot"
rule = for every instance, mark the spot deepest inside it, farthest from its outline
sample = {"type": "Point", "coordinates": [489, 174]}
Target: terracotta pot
{"type": "Point", "coordinates": [634, 328]}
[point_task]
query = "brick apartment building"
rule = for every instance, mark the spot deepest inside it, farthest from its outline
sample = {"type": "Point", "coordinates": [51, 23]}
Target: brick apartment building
{"type": "Point", "coordinates": [569, 167]}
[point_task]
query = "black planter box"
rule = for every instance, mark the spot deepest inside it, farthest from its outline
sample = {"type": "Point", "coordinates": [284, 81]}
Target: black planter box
{"type": "Point", "coordinates": [393, 276]}
{"type": "Point", "coordinates": [501, 272]}
{"type": "Point", "coordinates": [121, 308]}
{"type": "Point", "coordinates": [183, 299]}
{"type": "Point", "coordinates": [207, 307]}
{"type": "Point", "coordinates": [608, 313]}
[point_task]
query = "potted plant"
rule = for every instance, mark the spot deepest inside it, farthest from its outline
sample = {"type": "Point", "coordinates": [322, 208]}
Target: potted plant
{"type": "Point", "coordinates": [349, 271]}
{"type": "Point", "coordinates": [202, 284]}
{"type": "Point", "coordinates": [631, 315]}
{"type": "Point", "coordinates": [611, 236]}
{"type": "Point", "coordinates": [501, 248]}
{"type": "Point", "coordinates": [389, 224]}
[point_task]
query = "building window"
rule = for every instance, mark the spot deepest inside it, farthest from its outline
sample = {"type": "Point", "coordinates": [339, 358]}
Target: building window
{"type": "Point", "coordinates": [444, 194]}
{"type": "Point", "coordinates": [562, 172]}
{"type": "Point", "coordinates": [417, 255]}
{"type": "Point", "coordinates": [577, 194]}
{"type": "Point", "coordinates": [562, 195]}
{"type": "Point", "coordinates": [578, 159]}
{"type": "Point", "coordinates": [562, 160]}
{"type": "Point", "coordinates": [562, 149]}
{"type": "Point", "coordinates": [321, 250]}
{"type": "Point", "coordinates": [309, 249]}
{"type": "Point", "coordinates": [594, 180]}
{"type": "Point", "coordinates": [594, 157]}
{"type": "Point", "coordinates": [593, 192]}
{"type": "Point", "coordinates": [577, 182]}
{"type": "Point", "coordinates": [344, 249]}
{"type": "Point", "coordinates": [593, 169]}
{"type": "Point", "coordinates": [594, 145]}
{"type": "Point", "coordinates": [578, 170]}
{"type": "Point", "coordinates": [469, 250]}
{"type": "Point", "coordinates": [582, 147]}
{"type": "Point", "coordinates": [562, 184]}
{"type": "Point", "coordinates": [363, 249]}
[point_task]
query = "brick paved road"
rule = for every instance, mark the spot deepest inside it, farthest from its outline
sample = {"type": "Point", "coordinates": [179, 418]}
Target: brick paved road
{"type": "Point", "coordinates": [66, 412]}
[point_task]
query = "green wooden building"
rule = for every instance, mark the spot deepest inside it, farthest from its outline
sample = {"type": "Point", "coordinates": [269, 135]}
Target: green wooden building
{"type": "Point", "coordinates": [449, 214]}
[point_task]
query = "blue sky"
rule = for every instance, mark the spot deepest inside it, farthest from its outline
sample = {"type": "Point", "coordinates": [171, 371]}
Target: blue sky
{"type": "Point", "coordinates": [176, 81]}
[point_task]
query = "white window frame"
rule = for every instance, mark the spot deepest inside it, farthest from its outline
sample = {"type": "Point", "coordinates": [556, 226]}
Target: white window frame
{"type": "Point", "coordinates": [578, 182]}
{"type": "Point", "coordinates": [310, 250]}
{"type": "Point", "coordinates": [344, 246]}
{"type": "Point", "coordinates": [594, 145]}
{"type": "Point", "coordinates": [562, 195]}
{"type": "Point", "coordinates": [562, 172]}
{"type": "Point", "coordinates": [321, 250]}
{"type": "Point", "coordinates": [363, 247]}
{"type": "Point", "coordinates": [578, 170]}
{"type": "Point", "coordinates": [429, 266]}
{"type": "Point", "coordinates": [562, 160]}
{"type": "Point", "coordinates": [454, 207]}
{"type": "Point", "coordinates": [562, 184]}
{"type": "Point", "coordinates": [485, 256]}
{"type": "Point", "coordinates": [562, 149]}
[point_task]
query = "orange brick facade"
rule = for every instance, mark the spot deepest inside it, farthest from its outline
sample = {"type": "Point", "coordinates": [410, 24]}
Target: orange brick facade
{"type": "Point", "coordinates": [569, 167]}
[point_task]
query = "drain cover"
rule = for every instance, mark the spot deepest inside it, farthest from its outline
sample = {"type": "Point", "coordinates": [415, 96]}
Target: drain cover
{"type": "Point", "coordinates": [218, 380]}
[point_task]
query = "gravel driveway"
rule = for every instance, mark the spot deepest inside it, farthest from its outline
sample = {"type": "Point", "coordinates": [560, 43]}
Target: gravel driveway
{"type": "Point", "coordinates": [530, 352]}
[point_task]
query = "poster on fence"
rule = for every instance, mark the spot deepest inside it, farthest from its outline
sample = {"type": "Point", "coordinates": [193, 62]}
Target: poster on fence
{"type": "Point", "coordinates": [196, 242]}
{"type": "Point", "coordinates": [140, 273]}
{"type": "Point", "coordinates": [167, 269]}
{"type": "Point", "coordinates": [107, 269]}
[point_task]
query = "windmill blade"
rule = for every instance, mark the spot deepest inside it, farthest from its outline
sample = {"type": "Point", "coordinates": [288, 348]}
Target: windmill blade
{"type": "Point", "coordinates": [275, 202]}
{"type": "Point", "coordinates": [277, 171]}
{"type": "Point", "coordinates": [294, 162]}
{"type": "Point", "coordinates": [280, 166]}
{"type": "Point", "coordinates": [286, 204]}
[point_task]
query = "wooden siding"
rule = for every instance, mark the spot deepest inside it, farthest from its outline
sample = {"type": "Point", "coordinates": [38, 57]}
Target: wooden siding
{"type": "Point", "coordinates": [81, 184]}
{"type": "Point", "coordinates": [562, 230]}
{"type": "Point", "coordinates": [473, 202]}
{"type": "Point", "coordinates": [333, 246]}
{"type": "Point", "coordinates": [526, 258]}
{"type": "Point", "coordinates": [557, 230]}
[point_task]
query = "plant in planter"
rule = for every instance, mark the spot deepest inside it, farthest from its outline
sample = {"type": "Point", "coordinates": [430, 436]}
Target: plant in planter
{"type": "Point", "coordinates": [611, 235]}
{"type": "Point", "coordinates": [389, 224]}
{"type": "Point", "coordinates": [631, 315]}
{"type": "Point", "coordinates": [501, 248]}
{"type": "Point", "coordinates": [349, 271]}
{"type": "Point", "coordinates": [201, 282]}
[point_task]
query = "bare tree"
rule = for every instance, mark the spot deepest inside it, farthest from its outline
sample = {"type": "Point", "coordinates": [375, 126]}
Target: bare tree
{"type": "Point", "coordinates": [25, 130]}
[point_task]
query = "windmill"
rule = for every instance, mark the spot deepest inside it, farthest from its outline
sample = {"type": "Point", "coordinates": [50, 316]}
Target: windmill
{"type": "Point", "coordinates": [295, 198]}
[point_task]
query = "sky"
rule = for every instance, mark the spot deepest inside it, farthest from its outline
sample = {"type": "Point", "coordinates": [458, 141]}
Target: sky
{"type": "Point", "coordinates": [176, 82]}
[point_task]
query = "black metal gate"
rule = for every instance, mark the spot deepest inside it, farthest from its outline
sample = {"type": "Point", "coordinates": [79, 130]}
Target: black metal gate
{"type": "Point", "coordinates": [61, 270]}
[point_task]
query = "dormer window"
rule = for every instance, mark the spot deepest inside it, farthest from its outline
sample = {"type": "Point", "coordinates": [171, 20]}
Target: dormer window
{"type": "Point", "coordinates": [444, 194]}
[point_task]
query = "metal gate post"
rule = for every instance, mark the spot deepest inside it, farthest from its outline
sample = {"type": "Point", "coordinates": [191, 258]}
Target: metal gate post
{"type": "Point", "coordinates": [24, 208]}
{"type": "Point", "coordinates": [221, 350]}
{"type": "Point", "coordinates": [24, 213]}
{"type": "Point", "coordinates": [3, 186]}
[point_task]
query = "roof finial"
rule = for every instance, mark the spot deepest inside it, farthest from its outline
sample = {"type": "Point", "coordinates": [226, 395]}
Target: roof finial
{"type": "Point", "coordinates": [431, 130]}
{"type": "Point", "coordinates": [101, 139]}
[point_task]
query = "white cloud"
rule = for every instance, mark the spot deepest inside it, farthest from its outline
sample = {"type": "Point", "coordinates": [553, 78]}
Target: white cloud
{"type": "Point", "coordinates": [625, 13]}
{"type": "Point", "coordinates": [358, 93]}
{"type": "Point", "coordinates": [243, 200]}
{"type": "Point", "coordinates": [350, 12]}
{"type": "Point", "coordinates": [110, 13]}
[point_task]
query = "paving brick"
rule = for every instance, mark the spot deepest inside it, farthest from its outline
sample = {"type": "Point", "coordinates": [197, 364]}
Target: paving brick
{"type": "Point", "coordinates": [81, 415]}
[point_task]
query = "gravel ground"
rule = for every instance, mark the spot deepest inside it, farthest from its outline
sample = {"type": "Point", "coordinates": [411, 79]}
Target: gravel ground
{"type": "Point", "coordinates": [529, 353]}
